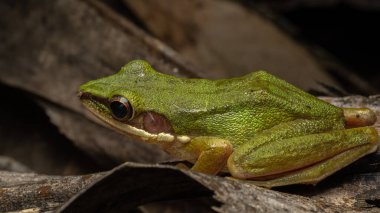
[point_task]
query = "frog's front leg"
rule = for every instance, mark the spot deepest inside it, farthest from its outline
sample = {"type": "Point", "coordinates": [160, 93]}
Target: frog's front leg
{"type": "Point", "coordinates": [305, 159]}
{"type": "Point", "coordinates": [209, 154]}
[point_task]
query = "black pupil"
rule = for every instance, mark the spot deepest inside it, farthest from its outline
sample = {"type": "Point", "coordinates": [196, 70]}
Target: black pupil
{"type": "Point", "coordinates": [118, 109]}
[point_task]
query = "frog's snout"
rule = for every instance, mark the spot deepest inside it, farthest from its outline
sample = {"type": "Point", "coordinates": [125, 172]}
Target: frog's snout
{"type": "Point", "coordinates": [357, 117]}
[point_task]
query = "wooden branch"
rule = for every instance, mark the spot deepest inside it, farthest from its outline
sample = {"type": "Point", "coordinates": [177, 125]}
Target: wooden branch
{"type": "Point", "coordinates": [20, 191]}
{"type": "Point", "coordinates": [130, 185]}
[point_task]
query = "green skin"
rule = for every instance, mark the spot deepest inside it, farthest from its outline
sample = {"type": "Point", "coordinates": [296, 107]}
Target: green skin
{"type": "Point", "coordinates": [258, 127]}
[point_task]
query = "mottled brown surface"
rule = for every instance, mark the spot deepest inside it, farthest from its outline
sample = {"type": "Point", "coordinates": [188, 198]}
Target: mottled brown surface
{"type": "Point", "coordinates": [26, 190]}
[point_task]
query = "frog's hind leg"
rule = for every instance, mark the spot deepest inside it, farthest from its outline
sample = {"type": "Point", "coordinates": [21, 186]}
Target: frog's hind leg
{"type": "Point", "coordinates": [319, 171]}
{"type": "Point", "coordinates": [306, 159]}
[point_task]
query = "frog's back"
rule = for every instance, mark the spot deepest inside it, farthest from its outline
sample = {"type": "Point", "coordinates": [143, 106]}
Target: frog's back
{"type": "Point", "coordinates": [254, 90]}
{"type": "Point", "coordinates": [236, 108]}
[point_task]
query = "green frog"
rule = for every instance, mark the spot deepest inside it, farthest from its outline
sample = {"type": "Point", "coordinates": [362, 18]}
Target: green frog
{"type": "Point", "coordinates": [256, 127]}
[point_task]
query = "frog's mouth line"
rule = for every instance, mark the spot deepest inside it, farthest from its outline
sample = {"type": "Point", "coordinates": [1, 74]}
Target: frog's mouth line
{"type": "Point", "coordinates": [99, 107]}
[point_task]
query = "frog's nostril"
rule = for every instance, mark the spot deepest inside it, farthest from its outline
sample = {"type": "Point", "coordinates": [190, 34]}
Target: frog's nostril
{"type": "Point", "coordinates": [80, 93]}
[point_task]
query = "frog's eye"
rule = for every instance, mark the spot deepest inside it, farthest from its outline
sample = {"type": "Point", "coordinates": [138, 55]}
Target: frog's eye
{"type": "Point", "coordinates": [121, 108]}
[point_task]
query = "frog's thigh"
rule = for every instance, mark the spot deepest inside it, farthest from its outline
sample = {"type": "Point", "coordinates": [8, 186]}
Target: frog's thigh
{"type": "Point", "coordinates": [306, 159]}
{"type": "Point", "coordinates": [212, 154]}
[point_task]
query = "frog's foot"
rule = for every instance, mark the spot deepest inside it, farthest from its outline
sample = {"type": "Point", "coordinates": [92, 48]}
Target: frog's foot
{"type": "Point", "coordinates": [306, 159]}
{"type": "Point", "coordinates": [212, 154]}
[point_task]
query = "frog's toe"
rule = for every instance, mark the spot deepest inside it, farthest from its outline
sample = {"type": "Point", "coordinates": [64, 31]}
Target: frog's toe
{"type": "Point", "coordinates": [357, 117]}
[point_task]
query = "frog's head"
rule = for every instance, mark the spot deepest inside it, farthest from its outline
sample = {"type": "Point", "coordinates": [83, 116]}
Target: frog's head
{"type": "Point", "coordinates": [130, 102]}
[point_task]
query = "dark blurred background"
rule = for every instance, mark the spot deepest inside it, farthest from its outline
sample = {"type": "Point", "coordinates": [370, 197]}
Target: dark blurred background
{"type": "Point", "coordinates": [346, 31]}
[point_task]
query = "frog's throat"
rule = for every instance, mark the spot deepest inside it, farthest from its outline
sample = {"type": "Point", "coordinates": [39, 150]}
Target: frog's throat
{"type": "Point", "coordinates": [159, 138]}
